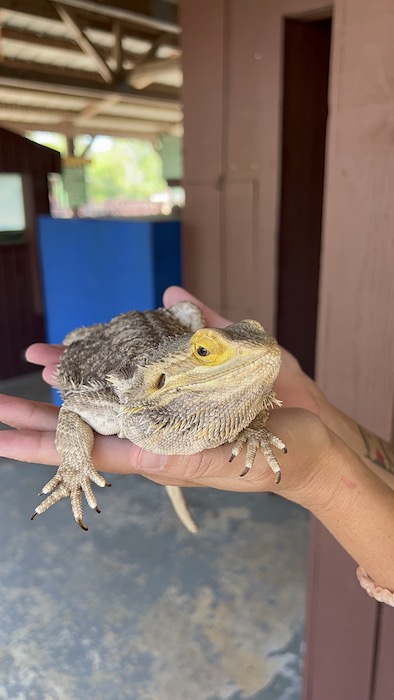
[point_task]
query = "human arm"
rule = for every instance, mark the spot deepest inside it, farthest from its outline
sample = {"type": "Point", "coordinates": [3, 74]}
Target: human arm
{"type": "Point", "coordinates": [293, 387]}
{"type": "Point", "coordinates": [320, 471]}
{"type": "Point", "coordinates": [296, 389]}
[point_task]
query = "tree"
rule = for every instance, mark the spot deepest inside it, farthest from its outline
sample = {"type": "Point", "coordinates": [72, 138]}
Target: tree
{"type": "Point", "coordinates": [127, 169]}
{"type": "Point", "coordinates": [130, 169]}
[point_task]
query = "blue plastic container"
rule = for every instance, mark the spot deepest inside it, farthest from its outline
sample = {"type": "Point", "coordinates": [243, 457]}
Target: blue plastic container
{"type": "Point", "coordinates": [94, 269]}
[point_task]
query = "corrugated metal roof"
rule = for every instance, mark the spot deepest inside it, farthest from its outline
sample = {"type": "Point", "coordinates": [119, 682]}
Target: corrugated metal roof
{"type": "Point", "coordinates": [70, 66]}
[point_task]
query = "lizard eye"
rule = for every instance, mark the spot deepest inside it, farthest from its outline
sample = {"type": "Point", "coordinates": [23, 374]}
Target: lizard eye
{"type": "Point", "coordinates": [210, 347]}
{"type": "Point", "coordinates": [162, 381]}
{"type": "Point", "coordinates": [203, 352]}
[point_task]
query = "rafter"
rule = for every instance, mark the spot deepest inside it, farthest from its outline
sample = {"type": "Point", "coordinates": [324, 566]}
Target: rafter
{"type": "Point", "coordinates": [109, 11]}
{"type": "Point", "coordinates": [94, 108]}
{"type": "Point", "coordinates": [52, 115]}
{"type": "Point", "coordinates": [117, 51]}
{"type": "Point", "coordinates": [146, 73]}
{"type": "Point", "coordinates": [29, 37]}
{"type": "Point", "coordinates": [152, 51]}
{"type": "Point", "coordinates": [83, 42]}
{"type": "Point", "coordinates": [46, 71]}
{"type": "Point", "coordinates": [100, 14]}
{"type": "Point", "coordinates": [71, 130]}
{"type": "Point", "coordinates": [1, 35]}
{"type": "Point", "coordinates": [95, 90]}
{"type": "Point", "coordinates": [111, 105]}
{"type": "Point", "coordinates": [23, 74]}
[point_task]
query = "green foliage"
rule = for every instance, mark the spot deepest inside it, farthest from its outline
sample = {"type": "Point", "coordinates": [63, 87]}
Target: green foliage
{"type": "Point", "coordinates": [129, 170]}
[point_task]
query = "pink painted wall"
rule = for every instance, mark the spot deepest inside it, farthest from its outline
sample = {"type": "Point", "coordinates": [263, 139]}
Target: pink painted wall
{"type": "Point", "coordinates": [355, 353]}
{"type": "Point", "coordinates": [232, 100]}
{"type": "Point", "coordinates": [356, 319]}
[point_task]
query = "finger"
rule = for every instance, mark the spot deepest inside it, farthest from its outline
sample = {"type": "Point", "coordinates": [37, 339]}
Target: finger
{"type": "Point", "coordinates": [30, 415]}
{"type": "Point", "coordinates": [29, 446]}
{"type": "Point", "coordinates": [48, 374]}
{"type": "Point", "coordinates": [109, 453]}
{"type": "Point", "coordinates": [43, 354]}
{"type": "Point", "coordinates": [174, 294]}
{"type": "Point", "coordinates": [210, 468]}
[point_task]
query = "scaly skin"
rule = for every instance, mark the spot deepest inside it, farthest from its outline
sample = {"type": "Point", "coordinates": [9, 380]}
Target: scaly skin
{"type": "Point", "coordinates": [171, 386]}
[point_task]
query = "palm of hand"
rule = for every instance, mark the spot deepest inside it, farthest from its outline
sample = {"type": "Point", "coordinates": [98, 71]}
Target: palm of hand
{"type": "Point", "coordinates": [34, 441]}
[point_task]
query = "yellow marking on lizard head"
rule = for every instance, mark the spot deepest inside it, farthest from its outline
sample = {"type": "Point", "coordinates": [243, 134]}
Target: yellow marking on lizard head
{"type": "Point", "coordinates": [211, 348]}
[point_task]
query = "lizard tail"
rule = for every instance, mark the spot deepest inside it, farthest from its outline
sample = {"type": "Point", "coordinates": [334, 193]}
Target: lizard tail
{"type": "Point", "coordinates": [175, 494]}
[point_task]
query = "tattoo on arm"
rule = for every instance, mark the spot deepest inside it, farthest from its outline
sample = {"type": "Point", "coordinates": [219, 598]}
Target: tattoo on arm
{"type": "Point", "coordinates": [377, 450]}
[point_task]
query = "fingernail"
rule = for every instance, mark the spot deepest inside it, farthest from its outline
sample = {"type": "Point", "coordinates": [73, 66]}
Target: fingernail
{"type": "Point", "coordinates": [147, 461]}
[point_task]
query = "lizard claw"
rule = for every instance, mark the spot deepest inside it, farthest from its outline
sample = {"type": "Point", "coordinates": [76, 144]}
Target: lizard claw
{"type": "Point", "coordinates": [277, 473]}
{"type": "Point", "coordinates": [70, 482]}
{"type": "Point", "coordinates": [245, 471]}
{"type": "Point", "coordinates": [258, 437]}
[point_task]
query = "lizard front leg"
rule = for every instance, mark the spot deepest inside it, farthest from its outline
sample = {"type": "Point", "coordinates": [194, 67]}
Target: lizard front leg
{"type": "Point", "coordinates": [255, 437]}
{"type": "Point", "coordinates": [74, 442]}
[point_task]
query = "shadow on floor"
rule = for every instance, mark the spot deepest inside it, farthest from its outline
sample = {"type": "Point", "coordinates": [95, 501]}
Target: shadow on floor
{"type": "Point", "coordinates": [137, 608]}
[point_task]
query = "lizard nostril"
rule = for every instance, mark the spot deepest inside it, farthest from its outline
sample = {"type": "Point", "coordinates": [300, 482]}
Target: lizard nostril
{"type": "Point", "coordinates": [162, 381]}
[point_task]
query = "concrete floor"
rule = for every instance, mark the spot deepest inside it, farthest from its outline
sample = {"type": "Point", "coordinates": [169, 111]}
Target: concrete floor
{"type": "Point", "coordinates": [138, 609]}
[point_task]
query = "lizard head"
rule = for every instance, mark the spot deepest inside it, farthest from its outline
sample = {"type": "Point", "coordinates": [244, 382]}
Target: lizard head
{"type": "Point", "coordinates": [242, 352]}
{"type": "Point", "coordinates": [209, 364]}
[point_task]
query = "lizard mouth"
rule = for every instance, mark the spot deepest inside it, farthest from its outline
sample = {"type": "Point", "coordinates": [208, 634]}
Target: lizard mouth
{"type": "Point", "coordinates": [252, 370]}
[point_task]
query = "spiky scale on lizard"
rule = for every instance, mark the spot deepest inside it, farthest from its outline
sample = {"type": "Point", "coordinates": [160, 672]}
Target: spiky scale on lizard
{"type": "Point", "coordinates": [163, 381]}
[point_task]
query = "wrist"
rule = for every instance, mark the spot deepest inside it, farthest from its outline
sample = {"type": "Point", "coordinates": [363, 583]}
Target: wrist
{"type": "Point", "coordinates": [329, 490]}
{"type": "Point", "coordinates": [309, 469]}
{"type": "Point", "coordinates": [326, 476]}
{"type": "Point", "coordinates": [356, 507]}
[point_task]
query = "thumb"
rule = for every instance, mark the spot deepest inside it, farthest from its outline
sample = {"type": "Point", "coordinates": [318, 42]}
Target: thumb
{"type": "Point", "coordinates": [174, 294]}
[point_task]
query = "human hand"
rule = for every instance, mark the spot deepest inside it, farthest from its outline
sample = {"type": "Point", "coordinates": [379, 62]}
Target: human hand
{"type": "Point", "coordinates": [36, 422]}
{"type": "Point", "coordinates": [307, 440]}
{"type": "Point", "coordinates": [293, 387]}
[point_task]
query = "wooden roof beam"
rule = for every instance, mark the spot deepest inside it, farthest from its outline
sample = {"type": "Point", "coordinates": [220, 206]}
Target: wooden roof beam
{"type": "Point", "coordinates": [55, 115]}
{"type": "Point", "coordinates": [29, 37]}
{"type": "Point", "coordinates": [146, 73]}
{"type": "Point", "coordinates": [111, 12]}
{"type": "Point", "coordinates": [118, 48]}
{"type": "Point", "coordinates": [151, 53]}
{"type": "Point", "coordinates": [21, 74]}
{"type": "Point", "coordinates": [19, 99]}
{"type": "Point", "coordinates": [144, 68]}
{"type": "Point", "coordinates": [83, 42]}
{"type": "Point", "coordinates": [94, 108]}
{"type": "Point", "coordinates": [101, 16]}
{"type": "Point", "coordinates": [71, 130]}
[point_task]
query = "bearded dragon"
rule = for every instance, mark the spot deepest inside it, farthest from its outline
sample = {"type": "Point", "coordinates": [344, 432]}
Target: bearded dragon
{"type": "Point", "coordinates": [170, 385]}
